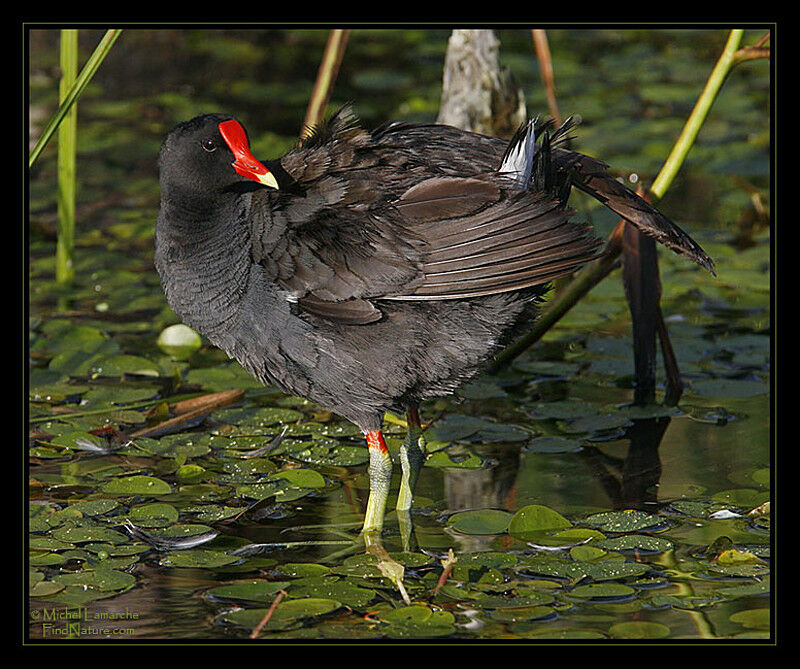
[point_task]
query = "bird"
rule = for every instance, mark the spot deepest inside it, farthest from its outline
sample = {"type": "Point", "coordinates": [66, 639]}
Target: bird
{"type": "Point", "coordinates": [369, 271]}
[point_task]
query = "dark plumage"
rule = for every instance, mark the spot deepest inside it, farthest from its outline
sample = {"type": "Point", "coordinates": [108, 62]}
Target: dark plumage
{"type": "Point", "coordinates": [387, 266]}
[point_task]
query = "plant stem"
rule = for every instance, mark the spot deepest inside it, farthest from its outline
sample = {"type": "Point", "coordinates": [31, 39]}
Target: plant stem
{"type": "Point", "coordinates": [546, 67]}
{"type": "Point", "coordinates": [69, 99]}
{"type": "Point", "coordinates": [698, 115]}
{"type": "Point", "coordinates": [67, 135]}
{"type": "Point", "coordinates": [326, 75]}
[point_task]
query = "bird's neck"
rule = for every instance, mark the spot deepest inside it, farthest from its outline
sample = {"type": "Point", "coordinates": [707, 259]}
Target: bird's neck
{"type": "Point", "coordinates": [203, 258]}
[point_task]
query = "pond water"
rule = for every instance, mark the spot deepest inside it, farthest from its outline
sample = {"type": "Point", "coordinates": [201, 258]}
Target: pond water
{"type": "Point", "coordinates": [571, 513]}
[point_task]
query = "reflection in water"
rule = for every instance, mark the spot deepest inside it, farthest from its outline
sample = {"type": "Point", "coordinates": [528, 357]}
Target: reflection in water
{"type": "Point", "coordinates": [630, 482]}
{"type": "Point", "coordinates": [639, 471]}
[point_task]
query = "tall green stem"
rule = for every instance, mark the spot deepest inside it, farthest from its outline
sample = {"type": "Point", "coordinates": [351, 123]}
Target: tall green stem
{"type": "Point", "coordinates": [74, 93]}
{"type": "Point", "coordinates": [695, 121]}
{"type": "Point", "coordinates": [67, 135]}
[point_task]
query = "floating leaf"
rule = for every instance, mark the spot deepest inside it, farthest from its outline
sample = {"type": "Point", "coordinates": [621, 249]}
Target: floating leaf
{"type": "Point", "coordinates": [729, 388]}
{"type": "Point", "coordinates": [255, 591]}
{"type": "Point", "coordinates": [453, 460]}
{"type": "Point", "coordinates": [302, 478]}
{"type": "Point", "coordinates": [153, 515]}
{"type": "Point", "coordinates": [603, 591]}
{"type": "Point", "coordinates": [482, 521]}
{"type": "Point", "coordinates": [629, 520]}
{"type": "Point", "coordinates": [198, 558]}
{"type": "Point", "coordinates": [639, 630]}
{"type": "Point", "coordinates": [136, 485]}
{"type": "Point", "coordinates": [517, 614]}
{"type": "Point", "coordinates": [97, 579]}
{"type": "Point", "coordinates": [536, 518]}
{"type": "Point", "coordinates": [639, 542]}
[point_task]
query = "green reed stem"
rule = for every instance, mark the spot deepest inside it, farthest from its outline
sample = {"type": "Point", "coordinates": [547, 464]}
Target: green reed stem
{"type": "Point", "coordinates": [695, 121]}
{"type": "Point", "coordinates": [67, 136]}
{"type": "Point", "coordinates": [74, 93]}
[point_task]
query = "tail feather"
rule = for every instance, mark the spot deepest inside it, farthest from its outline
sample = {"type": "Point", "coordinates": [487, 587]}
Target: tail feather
{"type": "Point", "coordinates": [536, 159]}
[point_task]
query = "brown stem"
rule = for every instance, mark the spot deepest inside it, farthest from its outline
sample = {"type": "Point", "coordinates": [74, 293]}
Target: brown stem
{"type": "Point", "coordinates": [268, 614]}
{"type": "Point", "coordinates": [750, 53]}
{"type": "Point", "coordinates": [546, 68]}
{"type": "Point", "coordinates": [326, 76]}
{"type": "Point", "coordinates": [448, 563]}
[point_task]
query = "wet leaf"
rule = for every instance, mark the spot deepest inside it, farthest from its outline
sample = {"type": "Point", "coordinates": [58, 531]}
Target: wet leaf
{"type": "Point", "coordinates": [536, 518]}
{"type": "Point", "coordinates": [639, 630]}
{"type": "Point", "coordinates": [482, 521]}
{"type": "Point", "coordinates": [758, 619]}
{"type": "Point", "coordinates": [303, 478]}
{"type": "Point", "coordinates": [254, 591]}
{"type": "Point", "coordinates": [199, 558]}
{"type": "Point", "coordinates": [629, 520]}
{"type": "Point", "coordinates": [136, 485]}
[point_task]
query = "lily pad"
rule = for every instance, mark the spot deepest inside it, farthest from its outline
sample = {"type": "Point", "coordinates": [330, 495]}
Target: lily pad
{"type": "Point", "coordinates": [482, 521]}
{"type": "Point", "coordinates": [137, 485]}
{"type": "Point", "coordinates": [639, 630]}
{"type": "Point", "coordinates": [535, 518]}
{"type": "Point", "coordinates": [302, 478]}
{"type": "Point", "coordinates": [629, 520]}
{"type": "Point", "coordinates": [254, 591]}
{"type": "Point", "coordinates": [198, 558]}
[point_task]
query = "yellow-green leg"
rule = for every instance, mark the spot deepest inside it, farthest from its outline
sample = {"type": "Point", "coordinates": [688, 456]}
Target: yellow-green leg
{"type": "Point", "coordinates": [412, 457]}
{"type": "Point", "coordinates": [380, 478]}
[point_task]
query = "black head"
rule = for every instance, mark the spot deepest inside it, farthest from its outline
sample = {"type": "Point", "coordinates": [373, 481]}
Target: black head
{"type": "Point", "coordinates": [208, 155]}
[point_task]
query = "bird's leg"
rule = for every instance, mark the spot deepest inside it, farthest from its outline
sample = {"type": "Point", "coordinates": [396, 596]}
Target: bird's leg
{"type": "Point", "coordinates": [412, 457]}
{"type": "Point", "coordinates": [380, 478]}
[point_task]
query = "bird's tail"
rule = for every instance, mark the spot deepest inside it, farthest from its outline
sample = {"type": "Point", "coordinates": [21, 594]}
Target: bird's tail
{"type": "Point", "coordinates": [536, 159]}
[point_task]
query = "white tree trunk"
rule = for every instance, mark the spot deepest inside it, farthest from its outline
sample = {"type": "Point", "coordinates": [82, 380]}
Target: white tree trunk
{"type": "Point", "coordinates": [477, 94]}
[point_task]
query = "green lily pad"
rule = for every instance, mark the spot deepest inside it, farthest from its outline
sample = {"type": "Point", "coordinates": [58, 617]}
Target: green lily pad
{"type": "Point", "coordinates": [482, 521]}
{"type": "Point", "coordinates": [97, 579]}
{"type": "Point", "coordinates": [563, 410]}
{"type": "Point", "coordinates": [287, 610]}
{"type": "Point", "coordinates": [629, 520]}
{"type": "Point", "coordinates": [640, 542]}
{"type": "Point", "coordinates": [729, 388]}
{"type": "Point", "coordinates": [536, 518]}
{"type": "Point", "coordinates": [95, 507]}
{"type": "Point", "coordinates": [516, 614]}
{"type": "Point", "coordinates": [418, 621]}
{"type": "Point", "coordinates": [198, 558]}
{"type": "Point", "coordinates": [448, 459]}
{"type": "Point", "coordinates": [602, 591]}
{"type": "Point", "coordinates": [639, 630]}
{"type": "Point", "coordinates": [341, 591]}
{"type": "Point", "coordinates": [253, 591]}
{"type": "Point", "coordinates": [136, 485]}
{"type": "Point", "coordinates": [302, 478]}
{"type": "Point", "coordinates": [153, 515]}
{"type": "Point", "coordinates": [77, 535]}
{"type": "Point", "coordinates": [301, 569]}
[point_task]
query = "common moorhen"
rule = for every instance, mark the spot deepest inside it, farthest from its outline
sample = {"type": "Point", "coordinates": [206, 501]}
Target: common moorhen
{"type": "Point", "coordinates": [368, 271]}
